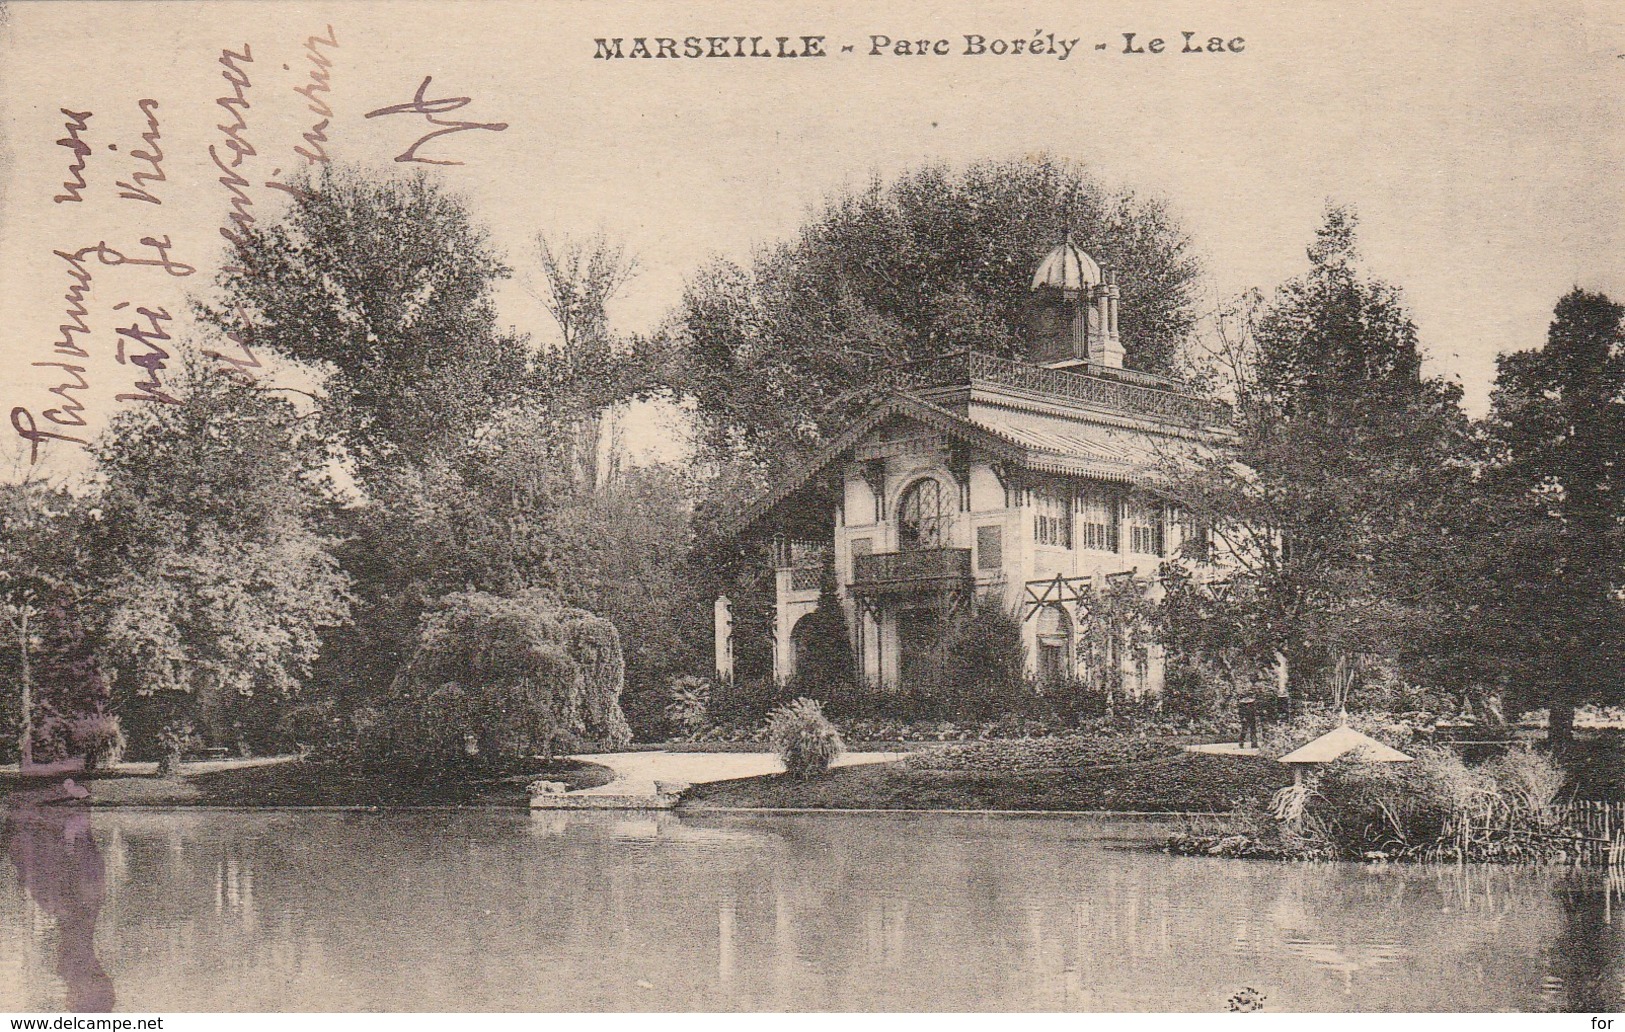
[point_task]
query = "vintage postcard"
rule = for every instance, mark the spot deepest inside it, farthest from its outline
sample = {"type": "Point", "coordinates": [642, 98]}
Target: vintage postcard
{"type": "Point", "coordinates": [1043, 506]}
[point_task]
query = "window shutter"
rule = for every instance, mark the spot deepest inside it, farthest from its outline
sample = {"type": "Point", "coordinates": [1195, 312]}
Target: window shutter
{"type": "Point", "coordinates": [989, 548]}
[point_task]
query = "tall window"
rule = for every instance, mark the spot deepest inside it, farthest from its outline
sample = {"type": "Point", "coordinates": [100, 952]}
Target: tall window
{"type": "Point", "coordinates": [922, 516]}
{"type": "Point", "coordinates": [1052, 522]}
{"type": "Point", "coordinates": [1097, 519]}
{"type": "Point", "coordinates": [1143, 518]}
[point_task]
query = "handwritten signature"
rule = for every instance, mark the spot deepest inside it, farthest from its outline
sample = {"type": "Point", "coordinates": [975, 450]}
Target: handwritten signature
{"type": "Point", "coordinates": [420, 105]}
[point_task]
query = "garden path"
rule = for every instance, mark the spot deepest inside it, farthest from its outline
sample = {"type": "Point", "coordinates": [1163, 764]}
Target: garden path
{"type": "Point", "coordinates": [1222, 749]}
{"type": "Point", "coordinates": [636, 772]}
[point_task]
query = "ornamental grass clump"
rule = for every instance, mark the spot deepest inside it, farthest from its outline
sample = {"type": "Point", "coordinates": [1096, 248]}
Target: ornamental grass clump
{"type": "Point", "coordinates": [1435, 808]}
{"type": "Point", "coordinates": [804, 738]}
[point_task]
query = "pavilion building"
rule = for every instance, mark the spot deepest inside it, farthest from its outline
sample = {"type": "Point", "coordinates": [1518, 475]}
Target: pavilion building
{"type": "Point", "coordinates": [977, 480]}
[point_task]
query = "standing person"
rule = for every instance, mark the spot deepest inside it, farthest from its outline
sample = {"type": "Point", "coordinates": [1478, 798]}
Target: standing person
{"type": "Point", "coordinates": [1283, 703]}
{"type": "Point", "coordinates": [1247, 706]}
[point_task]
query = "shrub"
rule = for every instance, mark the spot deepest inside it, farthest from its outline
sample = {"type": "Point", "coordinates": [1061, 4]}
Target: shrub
{"type": "Point", "coordinates": [1040, 755]}
{"type": "Point", "coordinates": [1530, 780]}
{"type": "Point", "coordinates": [99, 738]}
{"type": "Point", "coordinates": [804, 738]}
{"type": "Point", "coordinates": [983, 649]}
{"type": "Point", "coordinates": [174, 739]}
{"type": "Point", "coordinates": [1435, 808]}
{"type": "Point", "coordinates": [1194, 691]}
{"type": "Point", "coordinates": [688, 705]}
{"type": "Point", "coordinates": [824, 658]}
{"type": "Point", "coordinates": [747, 700]}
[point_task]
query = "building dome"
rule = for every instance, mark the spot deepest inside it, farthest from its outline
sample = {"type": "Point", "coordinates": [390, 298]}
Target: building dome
{"type": "Point", "coordinates": [1067, 268]}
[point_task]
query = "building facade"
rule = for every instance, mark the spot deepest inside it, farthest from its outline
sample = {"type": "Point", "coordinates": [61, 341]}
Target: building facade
{"type": "Point", "coordinates": [1030, 484]}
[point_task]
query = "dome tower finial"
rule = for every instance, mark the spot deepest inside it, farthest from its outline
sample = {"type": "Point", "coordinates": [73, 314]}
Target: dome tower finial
{"type": "Point", "coordinates": [1075, 309]}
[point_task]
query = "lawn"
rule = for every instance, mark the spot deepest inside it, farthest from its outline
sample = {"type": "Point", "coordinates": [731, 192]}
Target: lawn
{"type": "Point", "coordinates": [1160, 778]}
{"type": "Point", "coordinates": [302, 782]}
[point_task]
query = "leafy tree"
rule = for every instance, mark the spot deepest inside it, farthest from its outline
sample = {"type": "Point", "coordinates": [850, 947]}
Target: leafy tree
{"type": "Point", "coordinates": [1558, 421]}
{"type": "Point", "coordinates": [383, 285]}
{"type": "Point", "coordinates": [517, 675]}
{"type": "Point", "coordinates": [1341, 456]}
{"type": "Point", "coordinates": [1210, 625]}
{"type": "Point", "coordinates": [39, 591]}
{"type": "Point", "coordinates": [623, 551]}
{"type": "Point", "coordinates": [212, 577]}
{"type": "Point", "coordinates": [778, 353]}
{"type": "Point", "coordinates": [1119, 622]}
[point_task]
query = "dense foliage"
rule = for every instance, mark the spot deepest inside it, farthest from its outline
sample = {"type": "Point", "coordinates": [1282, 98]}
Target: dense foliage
{"type": "Point", "coordinates": [1339, 486]}
{"type": "Point", "coordinates": [230, 603]}
{"type": "Point", "coordinates": [1558, 423]}
{"type": "Point", "coordinates": [779, 352]}
{"type": "Point", "coordinates": [385, 285]}
{"type": "Point", "coordinates": [503, 679]}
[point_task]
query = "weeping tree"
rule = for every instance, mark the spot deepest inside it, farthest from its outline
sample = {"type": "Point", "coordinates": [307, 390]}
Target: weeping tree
{"type": "Point", "coordinates": [506, 678]}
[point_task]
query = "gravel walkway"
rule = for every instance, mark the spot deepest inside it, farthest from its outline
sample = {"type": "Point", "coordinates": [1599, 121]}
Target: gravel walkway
{"type": "Point", "coordinates": [636, 772]}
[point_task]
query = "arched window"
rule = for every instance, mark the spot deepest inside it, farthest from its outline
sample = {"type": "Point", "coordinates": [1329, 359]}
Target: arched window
{"type": "Point", "coordinates": [922, 516]}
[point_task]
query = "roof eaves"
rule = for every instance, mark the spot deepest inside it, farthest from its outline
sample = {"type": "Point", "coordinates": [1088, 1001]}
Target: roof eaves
{"type": "Point", "coordinates": [898, 402]}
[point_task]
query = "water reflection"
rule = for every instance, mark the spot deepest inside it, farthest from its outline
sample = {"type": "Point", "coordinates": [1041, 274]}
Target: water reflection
{"type": "Point", "coordinates": [596, 911]}
{"type": "Point", "coordinates": [48, 840]}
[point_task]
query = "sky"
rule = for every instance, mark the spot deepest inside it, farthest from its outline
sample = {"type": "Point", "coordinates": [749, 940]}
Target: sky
{"type": "Point", "coordinates": [1480, 143]}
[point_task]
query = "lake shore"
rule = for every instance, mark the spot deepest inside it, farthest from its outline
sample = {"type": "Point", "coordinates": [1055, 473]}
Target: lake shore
{"type": "Point", "coordinates": [1179, 783]}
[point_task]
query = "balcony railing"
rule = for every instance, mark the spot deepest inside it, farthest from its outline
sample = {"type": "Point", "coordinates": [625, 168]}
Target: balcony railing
{"type": "Point", "coordinates": [1122, 390]}
{"type": "Point", "coordinates": [934, 569]}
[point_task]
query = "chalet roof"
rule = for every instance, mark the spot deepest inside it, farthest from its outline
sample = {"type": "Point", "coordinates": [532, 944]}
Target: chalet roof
{"type": "Point", "coordinates": [1340, 741]}
{"type": "Point", "coordinates": [1026, 440]}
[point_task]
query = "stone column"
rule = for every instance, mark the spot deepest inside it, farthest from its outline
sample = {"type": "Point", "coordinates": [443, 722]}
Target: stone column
{"type": "Point", "coordinates": [724, 620]}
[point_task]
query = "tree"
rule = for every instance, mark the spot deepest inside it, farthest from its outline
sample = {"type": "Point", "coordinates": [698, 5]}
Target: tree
{"type": "Point", "coordinates": [212, 577]}
{"type": "Point", "coordinates": [1558, 421]}
{"type": "Point", "coordinates": [384, 286]}
{"type": "Point", "coordinates": [513, 675]}
{"type": "Point", "coordinates": [1117, 622]}
{"type": "Point", "coordinates": [38, 589]}
{"type": "Point", "coordinates": [71, 691]}
{"type": "Point", "coordinates": [939, 260]}
{"type": "Point", "coordinates": [824, 655]}
{"type": "Point", "coordinates": [1342, 454]}
{"type": "Point", "coordinates": [623, 551]}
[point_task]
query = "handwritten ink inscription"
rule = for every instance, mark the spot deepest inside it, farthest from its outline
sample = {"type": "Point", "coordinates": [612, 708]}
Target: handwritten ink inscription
{"type": "Point", "coordinates": [153, 157]}
{"type": "Point", "coordinates": [421, 105]}
{"type": "Point", "coordinates": [93, 306]}
{"type": "Point", "coordinates": [78, 122]}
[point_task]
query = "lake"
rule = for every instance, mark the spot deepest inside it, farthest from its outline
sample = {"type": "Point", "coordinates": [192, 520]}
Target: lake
{"type": "Point", "coordinates": [462, 910]}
